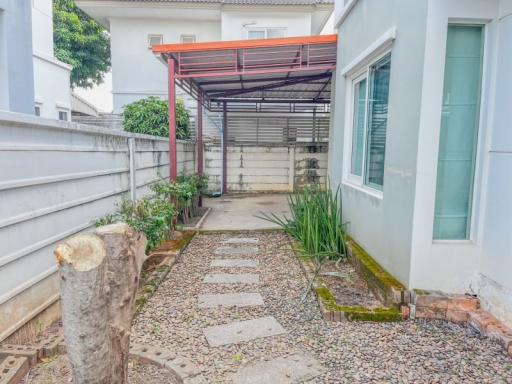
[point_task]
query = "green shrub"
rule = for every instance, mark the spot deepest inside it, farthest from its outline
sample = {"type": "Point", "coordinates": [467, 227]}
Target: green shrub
{"type": "Point", "coordinates": [315, 222]}
{"type": "Point", "coordinates": [151, 116]}
{"type": "Point", "coordinates": [153, 217]}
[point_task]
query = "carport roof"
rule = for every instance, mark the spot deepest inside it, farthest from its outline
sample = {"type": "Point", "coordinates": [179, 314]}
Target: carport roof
{"type": "Point", "coordinates": [283, 70]}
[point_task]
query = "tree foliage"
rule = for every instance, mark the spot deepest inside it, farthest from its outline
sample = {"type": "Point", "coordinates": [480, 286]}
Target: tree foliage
{"type": "Point", "coordinates": [81, 42]}
{"type": "Point", "coordinates": [151, 116]}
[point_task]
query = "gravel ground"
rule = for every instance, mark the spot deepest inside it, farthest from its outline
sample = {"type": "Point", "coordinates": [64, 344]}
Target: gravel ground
{"type": "Point", "coordinates": [406, 352]}
{"type": "Point", "coordinates": [57, 370]}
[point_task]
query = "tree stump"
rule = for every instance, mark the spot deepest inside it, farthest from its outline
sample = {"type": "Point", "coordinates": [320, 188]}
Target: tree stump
{"type": "Point", "coordinates": [99, 277]}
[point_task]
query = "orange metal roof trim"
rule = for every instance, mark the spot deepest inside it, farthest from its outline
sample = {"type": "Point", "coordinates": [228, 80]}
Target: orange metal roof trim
{"type": "Point", "coordinates": [236, 44]}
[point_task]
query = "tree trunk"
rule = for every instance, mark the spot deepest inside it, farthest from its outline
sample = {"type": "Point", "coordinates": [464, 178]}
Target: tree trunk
{"type": "Point", "coordinates": [99, 280]}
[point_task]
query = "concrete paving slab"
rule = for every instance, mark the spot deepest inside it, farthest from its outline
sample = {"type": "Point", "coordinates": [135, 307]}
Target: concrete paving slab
{"type": "Point", "coordinates": [296, 368]}
{"type": "Point", "coordinates": [230, 300]}
{"type": "Point", "coordinates": [232, 278]}
{"type": "Point", "coordinates": [241, 331]}
{"type": "Point", "coordinates": [240, 211]}
{"type": "Point", "coordinates": [234, 263]}
{"type": "Point", "coordinates": [236, 250]}
{"type": "Point", "coordinates": [241, 240]}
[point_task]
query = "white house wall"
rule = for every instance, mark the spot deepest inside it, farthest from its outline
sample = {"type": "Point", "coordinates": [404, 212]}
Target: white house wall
{"type": "Point", "coordinates": [450, 265]}
{"type": "Point", "coordinates": [235, 24]}
{"type": "Point", "coordinates": [51, 76]}
{"type": "Point", "coordinates": [136, 72]}
{"type": "Point", "coordinates": [494, 281]}
{"type": "Point", "coordinates": [382, 223]}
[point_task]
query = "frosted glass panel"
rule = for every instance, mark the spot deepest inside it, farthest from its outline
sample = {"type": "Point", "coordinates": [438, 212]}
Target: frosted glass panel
{"type": "Point", "coordinates": [459, 128]}
{"type": "Point", "coordinates": [377, 121]}
{"type": "Point", "coordinates": [358, 127]}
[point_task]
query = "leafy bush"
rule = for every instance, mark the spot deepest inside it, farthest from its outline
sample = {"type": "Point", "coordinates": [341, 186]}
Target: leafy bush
{"type": "Point", "coordinates": [151, 116]}
{"type": "Point", "coordinates": [316, 222]}
{"type": "Point", "coordinates": [153, 217]}
{"type": "Point", "coordinates": [183, 192]}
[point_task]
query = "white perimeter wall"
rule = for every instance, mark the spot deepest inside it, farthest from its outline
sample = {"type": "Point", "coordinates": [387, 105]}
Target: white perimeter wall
{"type": "Point", "coordinates": [56, 178]}
{"type": "Point", "coordinates": [265, 168]}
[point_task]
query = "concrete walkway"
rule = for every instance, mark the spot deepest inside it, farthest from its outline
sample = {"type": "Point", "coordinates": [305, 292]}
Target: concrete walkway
{"type": "Point", "coordinates": [239, 211]}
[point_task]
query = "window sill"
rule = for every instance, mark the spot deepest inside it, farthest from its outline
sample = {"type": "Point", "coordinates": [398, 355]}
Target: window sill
{"type": "Point", "coordinates": [453, 242]}
{"type": "Point", "coordinates": [364, 189]}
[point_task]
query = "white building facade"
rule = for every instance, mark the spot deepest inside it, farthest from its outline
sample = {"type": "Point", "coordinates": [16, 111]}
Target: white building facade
{"type": "Point", "coordinates": [52, 97]}
{"type": "Point", "coordinates": [135, 26]}
{"type": "Point", "coordinates": [421, 141]}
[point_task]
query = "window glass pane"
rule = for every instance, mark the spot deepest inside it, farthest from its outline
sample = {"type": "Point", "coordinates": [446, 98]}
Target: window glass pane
{"type": "Point", "coordinates": [378, 94]}
{"type": "Point", "coordinates": [275, 33]}
{"type": "Point", "coordinates": [256, 34]}
{"type": "Point", "coordinates": [458, 135]}
{"type": "Point", "coordinates": [358, 128]}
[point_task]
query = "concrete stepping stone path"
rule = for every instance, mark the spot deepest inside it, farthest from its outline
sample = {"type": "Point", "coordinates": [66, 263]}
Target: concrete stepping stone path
{"type": "Point", "coordinates": [232, 278]}
{"type": "Point", "coordinates": [241, 240]}
{"type": "Point", "coordinates": [236, 250]}
{"type": "Point", "coordinates": [241, 331]}
{"type": "Point", "coordinates": [296, 368]}
{"type": "Point", "coordinates": [234, 263]}
{"type": "Point", "coordinates": [229, 300]}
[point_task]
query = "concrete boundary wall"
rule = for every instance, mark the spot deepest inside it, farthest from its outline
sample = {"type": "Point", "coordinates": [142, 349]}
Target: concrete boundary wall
{"type": "Point", "coordinates": [56, 178]}
{"type": "Point", "coordinates": [266, 168]}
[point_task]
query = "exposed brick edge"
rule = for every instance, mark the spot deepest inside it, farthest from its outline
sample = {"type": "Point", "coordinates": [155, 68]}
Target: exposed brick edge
{"type": "Point", "coordinates": [461, 309]}
{"type": "Point", "coordinates": [13, 369]}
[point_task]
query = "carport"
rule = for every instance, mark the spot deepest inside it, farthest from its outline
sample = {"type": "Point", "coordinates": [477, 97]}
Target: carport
{"type": "Point", "coordinates": [285, 75]}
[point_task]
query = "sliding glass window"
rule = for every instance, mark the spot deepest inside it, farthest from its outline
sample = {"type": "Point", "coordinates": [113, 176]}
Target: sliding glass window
{"type": "Point", "coordinates": [369, 123]}
{"type": "Point", "coordinates": [459, 131]}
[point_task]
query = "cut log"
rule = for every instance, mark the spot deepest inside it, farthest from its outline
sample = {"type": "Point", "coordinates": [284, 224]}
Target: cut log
{"type": "Point", "coordinates": [99, 280]}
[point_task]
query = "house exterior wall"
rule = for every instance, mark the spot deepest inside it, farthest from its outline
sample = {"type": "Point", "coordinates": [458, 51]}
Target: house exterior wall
{"type": "Point", "coordinates": [236, 23]}
{"type": "Point", "coordinates": [16, 66]}
{"type": "Point", "coordinates": [51, 76]}
{"type": "Point", "coordinates": [56, 179]}
{"type": "Point", "coordinates": [136, 73]}
{"type": "Point", "coordinates": [381, 222]}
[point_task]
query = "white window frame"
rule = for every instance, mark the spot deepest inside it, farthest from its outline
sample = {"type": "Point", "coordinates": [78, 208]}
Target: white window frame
{"type": "Point", "coordinates": [151, 35]}
{"type": "Point", "coordinates": [349, 179]}
{"type": "Point", "coordinates": [188, 36]}
{"type": "Point", "coordinates": [66, 111]}
{"type": "Point", "coordinates": [265, 30]}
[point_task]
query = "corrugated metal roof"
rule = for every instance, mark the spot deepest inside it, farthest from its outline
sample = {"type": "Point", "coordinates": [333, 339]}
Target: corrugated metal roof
{"type": "Point", "coordinates": [240, 2]}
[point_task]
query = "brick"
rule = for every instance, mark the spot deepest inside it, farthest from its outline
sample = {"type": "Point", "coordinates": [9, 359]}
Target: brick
{"type": "Point", "coordinates": [28, 351]}
{"type": "Point", "coordinates": [500, 333]}
{"type": "Point", "coordinates": [463, 303]}
{"type": "Point", "coordinates": [455, 316]}
{"type": "Point", "coordinates": [430, 313]}
{"type": "Point", "coordinates": [480, 320]}
{"type": "Point", "coordinates": [50, 347]}
{"type": "Point", "coordinates": [406, 312]}
{"type": "Point", "coordinates": [433, 300]}
{"type": "Point", "coordinates": [327, 315]}
{"type": "Point", "coordinates": [336, 316]}
{"type": "Point", "coordinates": [13, 369]}
{"type": "Point", "coordinates": [510, 350]}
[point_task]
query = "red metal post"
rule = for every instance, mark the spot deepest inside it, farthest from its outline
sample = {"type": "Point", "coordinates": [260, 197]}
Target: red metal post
{"type": "Point", "coordinates": [173, 161]}
{"type": "Point", "coordinates": [199, 140]}
{"type": "Point", "coordinates": [224, 149]}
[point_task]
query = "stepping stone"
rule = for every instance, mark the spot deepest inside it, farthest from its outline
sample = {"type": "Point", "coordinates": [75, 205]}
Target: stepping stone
{"type": "Point", "coordinates": [240, 331]}
{"type": "Point", "coordinates": [230, 300]}
{"type": "Point", "coordinates": [296, 368]}
{"type": "Point", "coordinates": [236, 251]}
{"type": "Point", "coordinates": [241, 240]}
{"type": "Point", "coordinates": [233, 263]}
{"type": "Point", "coordinates": [232, 278]}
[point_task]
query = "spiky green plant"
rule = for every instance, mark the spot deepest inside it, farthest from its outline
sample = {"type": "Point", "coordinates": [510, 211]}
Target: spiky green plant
{"type": "Point", "coordinates": [315, 222]}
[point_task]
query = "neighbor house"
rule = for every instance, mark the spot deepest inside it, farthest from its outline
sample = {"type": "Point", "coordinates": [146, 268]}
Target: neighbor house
{"type": "Point", "coordinates": [135, 26]}
{"type": "Point", "coordinates": [421, 141]}
{"type": "Point", "coordinates": [32, 80]}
